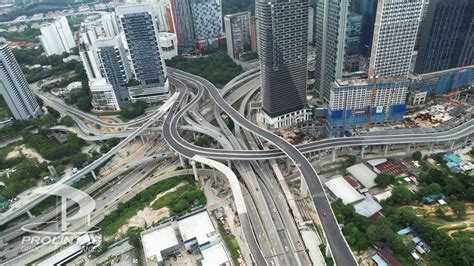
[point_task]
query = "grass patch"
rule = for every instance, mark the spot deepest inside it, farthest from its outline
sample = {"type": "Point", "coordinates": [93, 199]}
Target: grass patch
{"type": "Point", "coordinates": [181, 200]}
{"type": "Point", "coordinates": [46, 204]}
{"type": "Point", "coordinates": [116, 219]}
{"type": "Point", "coordinates": [4, 110]}
{"type": "Point", "coordinates": [230, 242]}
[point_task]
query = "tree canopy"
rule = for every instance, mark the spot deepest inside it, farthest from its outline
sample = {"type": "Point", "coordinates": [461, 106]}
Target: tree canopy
{"type": "Point", "coordinates": [217, 68]}
{"type": "Point", "coordinates": [384, 179]}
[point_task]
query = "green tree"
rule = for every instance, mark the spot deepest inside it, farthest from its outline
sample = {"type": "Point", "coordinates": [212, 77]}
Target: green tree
{"type": "Point", "coordinates": [134, 239]}
{"type": "Point", "coordinates": [67, 121]}
{"type": "Point", "coordinates": [430, 189]}
{"type": "Point", "coordinates": [53, 112]}
{"type": "Point", "coordinates": [401, 195]}
{"type": "Point", "coordinates": [351, 160]}
{"type": "Point", "coordinates": [417, 156]}
{"type": "Point", "coordinates": [78, 159]}
{"type": "Point", "coordinates": [440, 212]}
{"type": "Point", "coordinates": [385, 179]}
{"type": "Point", "coordinates": [459, 209]}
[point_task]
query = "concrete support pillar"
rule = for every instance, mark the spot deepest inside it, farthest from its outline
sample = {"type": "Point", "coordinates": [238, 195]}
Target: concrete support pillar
{"type": "Point", "coordinates": [333, 158]}
{"type": "Point", "coordinates": [432, 146]}
{"type": "Point", "coordinates": [63, 214]}
{"type": "Point", "coordinates": [408, 148]}
{"type": "Point", "coordinates": [362, 152]}
{"type": "Point", "coordinates": [141, 138]}
{"type": "Point", "coordinates": [237, 129]}
{"type": "Point", "coordinates": [452, 144]}
{"type": "Point", "coordinates": [288, 163]}
{"type": "Point", "coordinates": [466, 139]}
{"type": "Point", "coordinates": [181, 161]}
{"type": "Point", "coordinates": [93, 175]}
{"type": "Point", "coordinates": [193, 164]}
{"type": "Point", "coordinates": [303, 188]}
{"type": "Point", "coordinates": [229, 163]}
{"type": "Point", "coordinates": [30, 214]}
{"type": "Point", "coordinates": [385, 151]}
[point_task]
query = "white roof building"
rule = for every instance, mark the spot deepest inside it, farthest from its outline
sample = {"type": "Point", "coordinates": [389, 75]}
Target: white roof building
{"type": "Point", "coordinates": [343, 190]}
{"type": "Point", "coordinates": [367, 207]}
{"type": "Point", "coordinates": [159, 242]}
{"type": "Point", "coordinates": [383, 196]}
{"type": "Point", "coordinates": [375, 162]}
{"type": "Point", "coordinates": [198, 229]}
{"type": "Point", "coordinates": [363, 174]}
{"type": "Point", "coordinates": [215, 255]}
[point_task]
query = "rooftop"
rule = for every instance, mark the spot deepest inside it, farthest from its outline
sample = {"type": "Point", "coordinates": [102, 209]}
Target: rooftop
{"type": "Point", "coordinates": [367, 207]}
{"type": "Point", "coordinates": [363, 174]}
{"type": "Point", "coordinates": [215, 255]}
{"type": "Point", "coordinates": [343, 190]}
{"type": "Point", "coordinates": [155, 240]}
{"type": "Point", "coordinates": [198, 226]}
{"type": "Point", "coordinates": [394, 167]}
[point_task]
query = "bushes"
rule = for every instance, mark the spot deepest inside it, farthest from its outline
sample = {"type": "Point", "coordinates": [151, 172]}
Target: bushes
{"type": "Point", "coordinates": [135, 110]}
{"type": "Point", "coordinates": [217, 68]}
{"type": "Point", "coordinates": [113, 221]}
{"type": "Point", "coordinates": [180, 200]}
{"type": "Point", "coordinates": [66, 121]}
{"type": "Point", "coordinates": [51, 149]}
{"type": "Point", "coordinates": [385, 179]}
{"type": "Point", "coordinates": [444, 249]}
{"type": "Point", "coordinates": [26, 174]}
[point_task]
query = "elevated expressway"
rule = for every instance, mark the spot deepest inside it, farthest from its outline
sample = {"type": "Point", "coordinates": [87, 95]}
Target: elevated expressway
{"type": "Point", "coordinates": [34, 199]}
{"type": "Point", "coordinates": [339, 248]}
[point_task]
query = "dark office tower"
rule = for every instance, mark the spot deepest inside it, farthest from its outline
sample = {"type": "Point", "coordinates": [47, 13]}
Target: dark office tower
{"type": "Point", "coordinates": [282, 28]}
{"type": "Point", "coordinates": [367, 9]}
{"type": "Point", "coordinates": [114, 66]}
{"type": "Point", "coordinates": [446, 38]}
{"type": "Point", "coordinates": [14, 87]}
{"type": "Point", "coordinates": [183, 20]}
{"type": "Point", "coordinates": [148, 66]}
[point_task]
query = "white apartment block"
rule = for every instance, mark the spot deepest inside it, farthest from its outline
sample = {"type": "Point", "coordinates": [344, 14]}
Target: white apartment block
{"type": "Point", "coordinates": [169, 45]}
{"type": "Point", "coordinates": [395, 31]}
{"type": "Point", "coordinates": [103, 95]}
{"type": "Point", "coordinates": [56, 37]}
{"type": "Point", "coordinates": [358, 94]}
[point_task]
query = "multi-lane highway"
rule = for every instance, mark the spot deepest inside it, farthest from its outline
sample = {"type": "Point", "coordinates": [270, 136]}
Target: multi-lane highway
{"type": "Point", "coordinates": [34, 199]}
{"type": "Point", "coordinates": [339, 248]}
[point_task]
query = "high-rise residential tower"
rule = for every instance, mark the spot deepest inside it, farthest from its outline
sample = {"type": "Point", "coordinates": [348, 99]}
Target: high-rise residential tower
{"type": "Point", "coordinates": [395, 31]}
{"type": "Point", "coordinates": [207, 18]}
{"type": "Point", "coordinates": [114, 66]}
{"type": "Point", "coordinates": [14, 87]}
{"type": "Point", "coordinates": [148, 65]}
{"type": "Point", "coordinates": [197, 20]}
{"type": "Point", "coordinates": [331, 29]}
{"type": "Point", "coordinates": [446, 30]}
{"type": "Point", "coordinates": [56, 37]}
{"type": "Point", "coordinates": [282, 45]}
{"type": "Point", "coordinates": [237, 30]}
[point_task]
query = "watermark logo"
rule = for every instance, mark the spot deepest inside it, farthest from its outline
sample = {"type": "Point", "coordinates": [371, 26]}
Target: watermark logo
{"type": "Point", "coordinates": [61, 231]}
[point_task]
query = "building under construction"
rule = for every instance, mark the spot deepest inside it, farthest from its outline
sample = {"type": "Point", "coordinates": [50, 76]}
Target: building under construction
{"type": "Point", "coordinates": [357, 104]}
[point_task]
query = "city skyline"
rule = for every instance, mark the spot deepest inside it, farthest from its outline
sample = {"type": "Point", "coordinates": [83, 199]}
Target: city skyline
{"type": "Point", "coordinates": [216, 132]}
